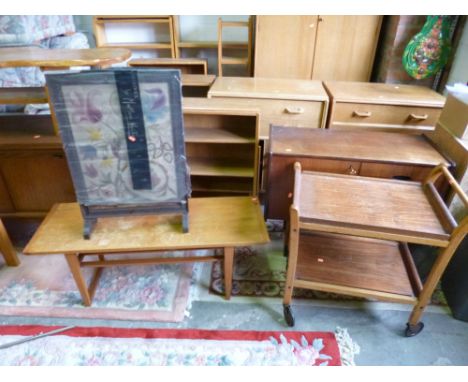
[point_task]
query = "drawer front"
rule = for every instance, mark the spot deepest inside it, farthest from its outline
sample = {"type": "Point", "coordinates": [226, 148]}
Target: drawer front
{"type": "Point", "coordinates": [395, 171]}
{"type": "Point", "coordinates": [293, 113]}
{"type": "Point", "coordinates": [352, 115]}
{"type": "Point", "coordinates": [306, 114]}
{"type": "Point", "coordinates": [281, 179]}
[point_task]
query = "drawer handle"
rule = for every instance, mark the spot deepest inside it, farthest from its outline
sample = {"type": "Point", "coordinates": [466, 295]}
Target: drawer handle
{"type": "Point", "coordinates": [418, 117]}
{"type": "Point", "coordinates": [294, 110]}
{"type": "Point", "coordinates": [362, 114]}
{"type": "Point", "coordinates": [351, 170]}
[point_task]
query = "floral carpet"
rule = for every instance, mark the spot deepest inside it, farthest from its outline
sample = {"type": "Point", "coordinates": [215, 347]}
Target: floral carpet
{"type": "Point", "coordinates": [175, 347]}
{"type": "Point", "coordinates": [42, 286]}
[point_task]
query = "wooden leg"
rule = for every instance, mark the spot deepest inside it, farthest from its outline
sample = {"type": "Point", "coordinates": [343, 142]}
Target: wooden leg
{"type": "Point", "coordinates": [228, 265]}
{"type": "Point", "coordinates": [435, 274]}
{"type": "Point", "coordinates": [80, 281]}
{"type": "Point", "coordinates": [6, 248]}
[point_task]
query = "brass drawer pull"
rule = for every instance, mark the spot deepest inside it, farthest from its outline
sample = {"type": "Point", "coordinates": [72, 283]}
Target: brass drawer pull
{"type": "Point", "coordinates": [294, 110]}
{"type": "Point", "coordinates": [419, 117]}
{"type": "Point", "coordinates": [362, 114]}
{"type": "Point", "coordinates": [351, 170]}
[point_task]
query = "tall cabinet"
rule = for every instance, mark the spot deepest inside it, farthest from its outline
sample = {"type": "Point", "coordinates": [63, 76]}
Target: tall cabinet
{"type": "Point", "coordinates": [316, 47]}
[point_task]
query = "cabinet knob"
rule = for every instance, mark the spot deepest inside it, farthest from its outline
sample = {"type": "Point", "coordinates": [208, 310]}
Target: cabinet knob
{"type": "Point", "coordinates": [418, 117]}
{"type": "Point", "coordinates": [351, 170]}
{"type": "Point", "coordinates": [294, 110]}
{"type": "Point", "coordinates": [362, 114]}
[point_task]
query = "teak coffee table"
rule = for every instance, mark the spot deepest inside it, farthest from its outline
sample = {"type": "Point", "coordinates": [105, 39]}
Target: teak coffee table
{"type": "Point", "coordinates": [219, 222]}
{"type": "Point", "coordinates": [348, 235]}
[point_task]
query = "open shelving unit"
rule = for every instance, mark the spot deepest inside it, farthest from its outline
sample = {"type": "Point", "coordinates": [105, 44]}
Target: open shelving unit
{"type": "Point", "coordinates": [154, 25]}
{"type": "Point", "coordinates": [221, 146]}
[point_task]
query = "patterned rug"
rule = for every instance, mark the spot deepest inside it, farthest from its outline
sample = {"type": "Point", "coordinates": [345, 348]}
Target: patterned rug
{"type": "Point", "coordinates": [42, 286]}
{"type": "Point", "coordinates": [260, 271]}
{"type": "Point", "coordinates": [175, 347]}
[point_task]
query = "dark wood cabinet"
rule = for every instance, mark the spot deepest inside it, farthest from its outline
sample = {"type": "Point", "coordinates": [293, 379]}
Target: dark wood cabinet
{"type": "Point", "coordinates": [369, 154]}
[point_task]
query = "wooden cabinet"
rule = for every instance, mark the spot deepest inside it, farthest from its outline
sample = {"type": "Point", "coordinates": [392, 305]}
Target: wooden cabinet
{"type": "Point", "coordinates": [322, 47]}
{"type": "Point", "coordinates": [34, 173]}
{"type": "Point", "coordinates": [222, 147]}
{"type": "Point", "coordinates": [374, 154]}
{"type": "Point", "coordinates": [153, 34]}
{"type": "Point", "coordinates": [386, 107]}
{"type": "Point", "coordinates": [296, 103]}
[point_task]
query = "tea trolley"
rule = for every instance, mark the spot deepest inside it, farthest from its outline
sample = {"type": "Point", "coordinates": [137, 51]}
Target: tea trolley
{"type": "Point", "coordinates": [349, 235]}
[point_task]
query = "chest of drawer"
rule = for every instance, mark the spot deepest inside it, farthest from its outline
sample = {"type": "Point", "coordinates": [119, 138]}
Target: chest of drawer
{"type": "Point", "coordinates": [383, 117]}
{"type": "Point", "coordinates": [289, 113]}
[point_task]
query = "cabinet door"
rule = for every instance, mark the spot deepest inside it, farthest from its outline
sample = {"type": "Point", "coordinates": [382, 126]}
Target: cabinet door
{"type": "Point", "coordinates": [284, 46]}
{"type": "Point", "coordinates": [345, 47]}
{"type": "Point", "coordinates": [36, 181]}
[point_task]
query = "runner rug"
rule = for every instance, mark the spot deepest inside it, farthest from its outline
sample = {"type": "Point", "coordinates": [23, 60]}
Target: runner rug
{"type": "Point", "coordinates": [42, 286]}
{"type": "Point", "coordinates": [175, 347]}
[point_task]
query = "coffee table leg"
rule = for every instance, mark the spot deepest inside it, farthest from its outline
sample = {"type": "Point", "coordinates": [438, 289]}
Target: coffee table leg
{"type": "Point", "coordinates": [80, 281]}
{"type": "Point", "coordinates": [6, 248]}
{"type": "Point", "coordinates": [228, 265]}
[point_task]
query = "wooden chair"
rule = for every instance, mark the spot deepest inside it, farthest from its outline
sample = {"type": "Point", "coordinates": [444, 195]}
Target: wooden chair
{"type": "Point", "coordinates": [349, 235]}
{"type": "Point", "coordinates": [222, 60]}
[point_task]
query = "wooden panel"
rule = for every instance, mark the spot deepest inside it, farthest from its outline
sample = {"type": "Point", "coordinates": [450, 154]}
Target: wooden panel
{"type": "Point", "coordinates": [281, 179]}
{"type": "Point", "coordinates": [376, 205]}
{"type": "Point", "coordinates": [22, 95]}
{"type": "Point", "coordinates": [186, 65]}
{"type": "Point", "coordinates": [384, 94]}
{"type": "Point", "coordinates": [277, 88]}
{"type": "Point", "coordinates": [6, 204]}
{"type": "Point", "coordinates": [353, 145]}
{"type": "Point", "coordinates": [356, 115]}
{"type": "Point", "coordinates": [383, 170]}
{"type": "Point", "coordinates": [33, 56]}
{"type": "Point", "coordinates": [353, 262]}
{"type": "Point", "coordinates": [284, 46]}
{"type": "Point", "coordinates": [37, 181]}
{"type": "Point", "coordinates": [345, 47]}
{"type": "Point", "coordinates": [214, 223]}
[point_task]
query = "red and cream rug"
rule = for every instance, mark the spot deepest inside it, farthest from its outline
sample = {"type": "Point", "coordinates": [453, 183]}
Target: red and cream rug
{"type": "Point", "coordinates": [175, 347]}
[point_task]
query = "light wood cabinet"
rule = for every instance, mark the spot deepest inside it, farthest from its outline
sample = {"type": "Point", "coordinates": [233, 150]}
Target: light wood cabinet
{"type": "Point", "coordinates": [384, 107]}
{"type": "Point", "coordinates": [295, 103]}
{"type": "Point", "coordinates": [316, 47]}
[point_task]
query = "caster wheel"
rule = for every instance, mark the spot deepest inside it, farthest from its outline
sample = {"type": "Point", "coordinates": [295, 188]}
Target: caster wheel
{"type": "Point", "coordinates": [413, 330]}
{"type": "Point", "coordinates": [288, 316]}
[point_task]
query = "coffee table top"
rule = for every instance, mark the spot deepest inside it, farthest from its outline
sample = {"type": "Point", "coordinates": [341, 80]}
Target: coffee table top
{"type": "Point", "coordinates": [383, 208]}
{"type": "Point", "coordinates": [213, 223]}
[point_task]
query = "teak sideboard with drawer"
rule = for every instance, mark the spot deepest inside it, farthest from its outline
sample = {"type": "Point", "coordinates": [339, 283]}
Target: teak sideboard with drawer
{"type": "Point", "coordinates": [384, 107]}
{"type": "Point", "coordinates": [373, 154]}
{"type": "Point", "coordinates": [285, 102]}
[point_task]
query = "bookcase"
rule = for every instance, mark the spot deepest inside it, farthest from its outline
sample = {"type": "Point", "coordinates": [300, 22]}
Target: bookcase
{"type": "Point", "coordinates": [222, 147]}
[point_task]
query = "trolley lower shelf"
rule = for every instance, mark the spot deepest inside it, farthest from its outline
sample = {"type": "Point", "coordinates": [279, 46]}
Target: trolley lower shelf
{"type": "Point", "coordinates": [356, 266]}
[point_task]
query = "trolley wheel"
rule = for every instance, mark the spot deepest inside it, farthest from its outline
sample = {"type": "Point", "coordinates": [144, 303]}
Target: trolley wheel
{"type": "Point", "coordinates": [288, 316]}
{"type": "Point", "coordinates": [413, 330]}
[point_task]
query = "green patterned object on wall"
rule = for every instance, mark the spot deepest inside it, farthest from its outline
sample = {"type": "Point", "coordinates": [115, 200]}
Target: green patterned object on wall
{"type": "Point", "coordinates": [429, 50]}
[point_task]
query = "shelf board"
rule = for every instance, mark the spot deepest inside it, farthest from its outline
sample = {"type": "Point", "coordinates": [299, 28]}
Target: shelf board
{"type": "Point", "coordinates": [212, 135]}
{"type": "Point", "coordinates": [349, 264]}
{"type": "Point", "coordinates": [212, 44]}
{"type": "Point", "coordinates": [22, 95]}
{"type": "Point", "coordinates": [138, 20]}
{"type": "Point", "coordinates": [219, 167]}
{"type": "Point", "coordinates": [234, 61]}
{"type": "Point", "coordinates": [137, 45]}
